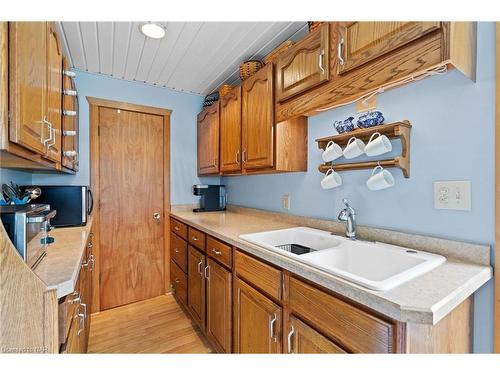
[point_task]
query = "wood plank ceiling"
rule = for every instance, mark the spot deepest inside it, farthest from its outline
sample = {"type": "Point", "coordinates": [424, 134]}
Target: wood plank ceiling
{"type": "Point", "coordinates": [193, 56]}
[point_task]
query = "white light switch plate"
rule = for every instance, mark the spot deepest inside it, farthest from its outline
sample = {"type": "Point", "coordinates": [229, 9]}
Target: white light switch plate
{"type": "Point", "coordinates": [452, 195]}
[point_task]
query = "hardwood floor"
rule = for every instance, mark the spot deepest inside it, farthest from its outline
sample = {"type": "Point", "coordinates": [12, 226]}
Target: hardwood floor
{"type": "Point", "coordinates": [157, 325]}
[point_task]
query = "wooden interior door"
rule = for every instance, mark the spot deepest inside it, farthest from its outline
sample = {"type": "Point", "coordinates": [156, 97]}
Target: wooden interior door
{"type": "Point", "coordinates": [258, 120]}
{"type": "Point", "coordinates": [131, 195]}
{"type": "Point", "coordinates": [361, 42]}
{"type": "Point", "coordinates": [257, 321]}
{"type": "Point", "coordinates": [219, 306]}
{"type": "Point", "coordinates": [27, 77]}
{"type": "Point", "coordinates": [208, 140]}
{"type": "Point", "coordinates": [305, 65]}
{"type": "Point", "coordinates": [230, 131]}
{"type": "Point", "coordinates": [196, 285]}
{"type": "Point", "coordinates": [54, 93]}
{"type": "Point", "coordinates": [303, 339]}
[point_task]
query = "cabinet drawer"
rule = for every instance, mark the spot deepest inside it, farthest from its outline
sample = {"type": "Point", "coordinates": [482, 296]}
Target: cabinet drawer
{"type": "Point", "coordinates": [178, 228]}
{"type": "Point", "coordinates": [196, 238]}
{"type": "Point", "coordinates": [178, 251]}
{"type": "Point", "coordinates": [354, 329]}
{"type": "Point", "coordinates": [178, 279]}
{"type": "Point", "coordinates": [219, 251]}
{"type": "Point", "coordinates": [260, 274]}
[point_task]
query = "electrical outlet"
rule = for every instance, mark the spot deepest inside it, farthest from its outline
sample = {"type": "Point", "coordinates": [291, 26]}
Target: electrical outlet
{"type": "Point", "coordinates": [285, 201]}
{"type": "Point", "coordinates": [452, 195]}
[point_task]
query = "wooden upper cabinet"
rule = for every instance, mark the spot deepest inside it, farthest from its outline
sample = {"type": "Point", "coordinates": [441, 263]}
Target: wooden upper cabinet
{"type": "Point", "coordinates": [305, 65]}
{"type": "Point", "coordinates": [54, 94]}
{"type": "Point", "coordinates": [257, 321]}
{"type": "Point", "coordinates": [258, 120]}
{"type": "Point", "coordinates": [230, 131]}
{"type": "Point", "coordinates": [219, 296]}
{"type": "Point", "coordinates": [196, 285]}
{"type": "Point", "coordinates": [27, 77]}
{"type": "Point", "coordinates": [361, 42]}
{"type": "Point", "coordinates": [208, 140]}
{"type": "Point", "coordinates": [303, 339]}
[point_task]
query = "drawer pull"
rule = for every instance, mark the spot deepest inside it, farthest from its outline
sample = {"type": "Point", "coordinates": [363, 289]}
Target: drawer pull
{"type": "Point", "coordinates": [177, 281]}
{"type": "Point", "coordinates": [176, 250]}
{"type": "Point", "coordinates": [216, 252]}
{"type": "Point", "coordinates": [194, 238]}
{"type": "Point", "coordinates": [199, 267]}
{"type": "Point", "coordinates": [290, 334]}
{"type": "Point", "coordinates": [271, 327]}
{"type": "Point", "coordinates": [176, 228]}
{"type": "Point", "coordinates": [339, 51]}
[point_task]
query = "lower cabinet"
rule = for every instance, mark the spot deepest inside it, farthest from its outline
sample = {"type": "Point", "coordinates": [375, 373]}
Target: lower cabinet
{"type": "Point", "coordinates": [257, 321]}
{"type": "Point", "coordinates": [78, 318]}
{"type": "Point", "coordinates": [303, 339]}
{"type": "Point", "coordinates": [219, 292]}
{"type": "Point", "coordinates": [196, 285]}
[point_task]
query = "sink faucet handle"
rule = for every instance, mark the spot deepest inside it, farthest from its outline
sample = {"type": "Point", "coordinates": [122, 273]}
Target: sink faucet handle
{"type": "Point", "coordinates": [348, 207]}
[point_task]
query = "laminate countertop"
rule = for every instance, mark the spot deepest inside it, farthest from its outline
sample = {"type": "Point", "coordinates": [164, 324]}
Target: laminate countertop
{"type": "Point", "coordinates": [59, 269]}
{"type": "Point", "coordinates": [425, 299]}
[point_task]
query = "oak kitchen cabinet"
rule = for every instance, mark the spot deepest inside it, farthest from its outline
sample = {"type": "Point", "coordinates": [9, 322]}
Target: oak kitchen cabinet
{"type": "Point", "coordinates": [31, 96]}
{"type": "Point", "coordinates": [230, 131]}
{"type": "Point", "coordinates": [252, 306]}
{"type": "Point", "coordinates": [365, 56]}
{"type": "Point", "coordinates": [208, 140]}
{"type": "Point", "coordinates": [305, 65]}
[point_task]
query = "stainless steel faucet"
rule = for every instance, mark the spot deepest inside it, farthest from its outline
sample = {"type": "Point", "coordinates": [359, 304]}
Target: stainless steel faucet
{"type": "Point", "coordinates": [348, 214]}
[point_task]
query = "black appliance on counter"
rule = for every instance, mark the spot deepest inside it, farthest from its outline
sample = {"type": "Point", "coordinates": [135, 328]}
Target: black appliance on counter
{"type": "Point", "coordinates": [212, 197]}
{"type": "Point", "coordinates": [28, 226]}
{"type": "Point", "coordinates": [72, 203]}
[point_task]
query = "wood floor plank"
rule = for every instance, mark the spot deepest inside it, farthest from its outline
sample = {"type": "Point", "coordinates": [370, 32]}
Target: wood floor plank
{"type": "Point", "coordinates": [157, 325]}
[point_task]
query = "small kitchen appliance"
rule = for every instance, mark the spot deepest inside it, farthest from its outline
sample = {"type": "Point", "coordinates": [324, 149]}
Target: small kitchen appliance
{"type": "Point", "coordinates": [212, 197]}
{"type": "Point", "coordinates": [72, 203]}
{"type": "Point", "coordinates": [28, 228]}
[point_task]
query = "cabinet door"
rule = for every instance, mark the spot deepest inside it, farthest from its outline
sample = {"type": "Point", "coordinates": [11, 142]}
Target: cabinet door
{"type": "Point", "coordinates": [257, 321]}
{"type": "Point", "coordinates": [361, 42]}
{"type": "Point", "coordinates": [196, 285]}
{"type": "Point", "coordinates": [27, 77]}
{"type": "Point", "coordinates": [305, 65]}
{"type": "Point", "coordinates": [230, 131]}
{"type": "Point", "coordinates": [258, 120]}
{"type": "Point", "coordinates": [303, 339]}
{"type": "Point", "coordinates": [219, 306]}
{"type": "Point", "coordinates": [54, 94]}
{"type": "Point", "coordinates": [208, 140]}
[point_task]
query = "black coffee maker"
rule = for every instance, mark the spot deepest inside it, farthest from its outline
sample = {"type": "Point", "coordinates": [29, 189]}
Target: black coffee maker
{"type": "Point", "coordinates": [212, 197]}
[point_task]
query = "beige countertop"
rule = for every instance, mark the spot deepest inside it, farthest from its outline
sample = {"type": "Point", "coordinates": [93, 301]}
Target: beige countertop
{"type": "Point", "coordinates": [425, 299]}
{"type": "Point", "coordinates": [59, 269]}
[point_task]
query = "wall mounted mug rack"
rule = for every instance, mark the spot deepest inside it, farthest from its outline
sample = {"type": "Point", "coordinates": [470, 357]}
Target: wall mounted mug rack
{"type": "Point", "coordinates": [395, 130]}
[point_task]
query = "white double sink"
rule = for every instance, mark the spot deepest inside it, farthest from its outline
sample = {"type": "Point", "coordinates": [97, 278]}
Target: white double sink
{"type": "Point", "coordinates": [374, 265]}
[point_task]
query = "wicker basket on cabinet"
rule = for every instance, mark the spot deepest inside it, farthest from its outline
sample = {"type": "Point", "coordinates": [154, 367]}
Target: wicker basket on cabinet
{"type": "Point", "coordinates": [249, 68]}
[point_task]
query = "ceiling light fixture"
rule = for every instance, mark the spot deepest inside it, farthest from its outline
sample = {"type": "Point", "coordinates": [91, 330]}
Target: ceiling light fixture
{"type": "Point", "coordinates": [153, 30]}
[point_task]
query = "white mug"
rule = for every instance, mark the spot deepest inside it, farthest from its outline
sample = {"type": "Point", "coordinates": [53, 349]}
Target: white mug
{"type": "Point", "coordinates": [354, 148]}
{"type": "Point", "coordinates": [378, 145]}
{"type": "Point", "coordinates": [332, 151]}
{"type": "Point", "coordinates": [331, 180]}
{"type": "Point", "coordinates": [381, 180]}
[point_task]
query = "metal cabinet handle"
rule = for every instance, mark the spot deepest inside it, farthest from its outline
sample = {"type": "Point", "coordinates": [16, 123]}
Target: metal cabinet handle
{"type": "Point", "coordinates": [199, 267]}
{"type": "Point", "coordinates": [156, 216]}
{"type": "Point", "coordinates": [176, 228]}
{"type": "Point", "coordinates": [243, 156]}
{"type": "Point", "coordinates": [320, 61]}
{"type": "Point", "coordinates": [207, 275]}
{"type": "Point", "coordinates": [92, 260]}
{"type": "Point", "coordinates": [77, 298]}
{"type": "Point", "coordinates": [85, 264]}
{"type": "Point", "coordinates": [194, 238]}
{"type": "Point", "coordinates": [271, 327]}
{"type": "Point", "coordinates": [238, 157]}
{"type": "Point", "coordinates": [82, 317]}
{"type": "Point", "coordinates": [176, 250]}
{"type": "Point", "coordinates": [339, 51]}
{"type": "Point", "coordinates": [49, 128]}
{"type": "Point", "coordinates": [69, 133]}
{"type": "Point", "coordinates": [290, 334]}
{"type": "Point", "coordinates": [216, 252]}
{"type": "Point", "coordinates": [177, 281]}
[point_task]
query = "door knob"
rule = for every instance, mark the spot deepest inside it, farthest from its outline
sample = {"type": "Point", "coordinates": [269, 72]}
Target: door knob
{"type": "Point", "coordinates": [157, 215]}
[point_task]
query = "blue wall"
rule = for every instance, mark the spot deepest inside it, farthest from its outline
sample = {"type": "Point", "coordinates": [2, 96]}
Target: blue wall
{"type": "Point", "coordinates": [21, 178]}
{"type": "Point", "coordinates": [184, 108]}
{"type": "Point", "coordinates": [452, 139]}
